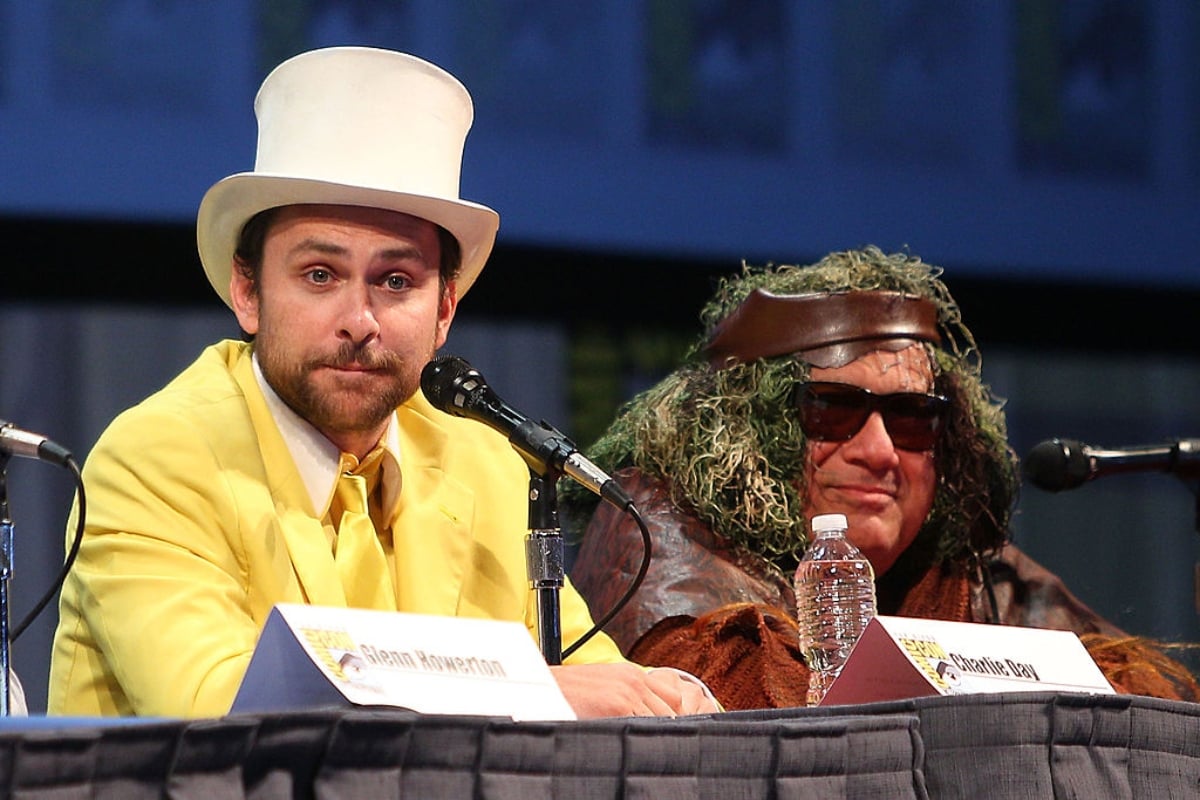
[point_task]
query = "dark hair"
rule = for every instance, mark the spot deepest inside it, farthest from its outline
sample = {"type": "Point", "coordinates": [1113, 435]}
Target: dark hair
{"type": "Point", "coordinates": [247, 255]}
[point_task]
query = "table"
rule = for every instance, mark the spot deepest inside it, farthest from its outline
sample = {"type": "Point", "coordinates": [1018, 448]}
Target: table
{"type": "Point", "coordinates": [1006, 745]}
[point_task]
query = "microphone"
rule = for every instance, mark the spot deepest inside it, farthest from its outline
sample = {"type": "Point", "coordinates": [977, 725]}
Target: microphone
{"type": "Point", "coordinates": [1059, 464]}
{"type": "Point", "coordinates": [455, 387]}
{"type": "Point", "coordinates": [16, 442]}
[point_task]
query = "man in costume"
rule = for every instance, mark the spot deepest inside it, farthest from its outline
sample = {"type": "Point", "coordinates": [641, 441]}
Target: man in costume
{"type": "Point", "coordinates": [850, 386]}
{"type": "Point", "coordinates": [306, 466]}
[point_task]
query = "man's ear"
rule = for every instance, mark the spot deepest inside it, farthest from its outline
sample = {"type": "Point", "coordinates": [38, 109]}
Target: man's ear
{"type": "Point", "coordinates": [243, 295]}
{"type": "Point", "coordinates": [447, 305]}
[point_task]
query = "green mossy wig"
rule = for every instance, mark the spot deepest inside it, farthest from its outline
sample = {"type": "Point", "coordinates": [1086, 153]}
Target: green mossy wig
{"type": "Point", "coordinates": [728, 441]}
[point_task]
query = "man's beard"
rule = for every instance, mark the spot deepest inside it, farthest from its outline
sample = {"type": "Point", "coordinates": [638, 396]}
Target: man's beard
{"type": "Point", "coordinates": [339, 411]}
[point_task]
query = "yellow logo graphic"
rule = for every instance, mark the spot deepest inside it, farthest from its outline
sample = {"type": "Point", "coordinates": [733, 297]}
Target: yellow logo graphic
{"type": "Point", "coordinates": [929, 656]}
{"type": "Point", "coordinates": [335, 649]}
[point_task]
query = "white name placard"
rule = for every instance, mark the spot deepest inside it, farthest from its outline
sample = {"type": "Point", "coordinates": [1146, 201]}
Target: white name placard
{"type": "Point", "coordinates": [903, 657]}
{"type": "Point", "coordinates": [313, 656]}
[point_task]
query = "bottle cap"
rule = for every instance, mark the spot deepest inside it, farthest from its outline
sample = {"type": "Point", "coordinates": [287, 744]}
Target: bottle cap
{"type": "Point", "coordinates": [829, 522]}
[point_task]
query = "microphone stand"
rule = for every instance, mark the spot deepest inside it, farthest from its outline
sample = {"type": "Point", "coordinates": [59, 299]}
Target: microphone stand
{"type": "Point", "coordinates": [1196, 565]}
{"type": "Point", "coordinates": [544, 561]}
{"type": "Point", "coordinates": [6, 564]}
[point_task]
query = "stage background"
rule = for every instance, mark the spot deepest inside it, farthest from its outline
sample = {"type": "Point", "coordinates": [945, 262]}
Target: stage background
{"type": "Point", "coordinates": [1047, 154]}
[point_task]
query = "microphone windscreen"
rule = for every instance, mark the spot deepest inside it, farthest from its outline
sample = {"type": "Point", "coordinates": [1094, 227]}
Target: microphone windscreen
{"type": "Point", "coordinates": [438, 380]}
{"type": "Point", "coordinates": [1057, 464]}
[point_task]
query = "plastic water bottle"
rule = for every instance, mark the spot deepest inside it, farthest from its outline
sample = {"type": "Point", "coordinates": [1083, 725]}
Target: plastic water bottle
{"type": "Point", "coordinates": [835, 599]}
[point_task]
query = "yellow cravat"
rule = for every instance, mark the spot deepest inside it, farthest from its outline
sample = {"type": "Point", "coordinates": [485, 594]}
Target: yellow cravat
{"type": "Point", "coordinates": [358, 554]}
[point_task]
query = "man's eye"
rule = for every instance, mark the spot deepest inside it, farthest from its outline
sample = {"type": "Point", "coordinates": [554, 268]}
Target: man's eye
{"type": "Point", "coordinates": [319, 275]}
{"type": "Point", "coordinates": [397, 282]}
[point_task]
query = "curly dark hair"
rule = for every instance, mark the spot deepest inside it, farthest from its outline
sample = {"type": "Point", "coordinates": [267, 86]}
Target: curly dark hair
{"type": "Point", "coordinates": [728, 441]}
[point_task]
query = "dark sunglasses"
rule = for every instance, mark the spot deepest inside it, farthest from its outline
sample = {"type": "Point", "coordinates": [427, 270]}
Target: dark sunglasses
{"type": "Point", "coordinates": [834, 412]}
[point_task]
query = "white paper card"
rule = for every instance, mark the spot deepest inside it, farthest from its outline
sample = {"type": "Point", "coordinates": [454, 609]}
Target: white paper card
{"type": "Point", "coordinates": [314, 656]}
{"type": "Point", "coordinates": [902, 657]}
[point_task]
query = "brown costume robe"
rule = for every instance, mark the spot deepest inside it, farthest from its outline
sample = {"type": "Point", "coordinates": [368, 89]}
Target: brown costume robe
{"type": "Point", "coordinates": [728, 616]}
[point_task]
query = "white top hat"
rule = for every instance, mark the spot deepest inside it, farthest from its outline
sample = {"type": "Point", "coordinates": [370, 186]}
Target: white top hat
{"type": "Point", "coordinates": [353, 126]}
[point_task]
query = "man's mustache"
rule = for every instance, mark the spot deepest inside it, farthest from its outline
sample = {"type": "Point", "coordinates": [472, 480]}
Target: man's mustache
{"type": "Point", "coordinates": [350, 354]}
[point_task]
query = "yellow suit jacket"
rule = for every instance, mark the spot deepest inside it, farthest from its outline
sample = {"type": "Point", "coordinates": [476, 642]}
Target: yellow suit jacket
{"type": "Point", "coordinates": [198, 523]}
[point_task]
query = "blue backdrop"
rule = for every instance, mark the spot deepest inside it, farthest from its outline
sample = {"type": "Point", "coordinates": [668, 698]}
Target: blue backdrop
{"type": "Point", "coordinates": [1023, 138]}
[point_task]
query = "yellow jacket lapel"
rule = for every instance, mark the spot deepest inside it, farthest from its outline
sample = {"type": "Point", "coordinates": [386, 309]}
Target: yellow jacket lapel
{"type": "Point", "coordinates": [432, 527]}
{"type": "Point", "coordinates": [298, 524]}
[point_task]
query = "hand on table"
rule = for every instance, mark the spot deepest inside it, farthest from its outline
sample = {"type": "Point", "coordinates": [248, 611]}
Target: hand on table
{"type": "Point", "coordinates": [627, 690]}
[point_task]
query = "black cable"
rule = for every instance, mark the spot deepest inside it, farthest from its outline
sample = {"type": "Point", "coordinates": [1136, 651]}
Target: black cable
{"type": "Point", "coordinates": [81, 516]}
{"type": "Point", "coordinates": [633, 587]}
{"type": "Point", "coordinates": [985, 577]}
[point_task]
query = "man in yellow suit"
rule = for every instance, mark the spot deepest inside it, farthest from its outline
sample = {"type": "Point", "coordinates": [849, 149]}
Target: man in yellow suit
{"type": "Point", "coordinates": [246, 480]}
